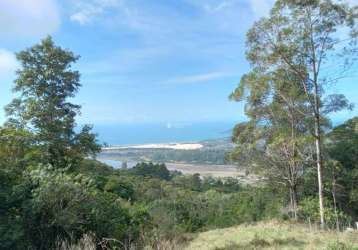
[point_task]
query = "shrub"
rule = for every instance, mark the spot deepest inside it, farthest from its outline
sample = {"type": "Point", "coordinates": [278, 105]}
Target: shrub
{"type": "Point", "coordinates": [309, 210]}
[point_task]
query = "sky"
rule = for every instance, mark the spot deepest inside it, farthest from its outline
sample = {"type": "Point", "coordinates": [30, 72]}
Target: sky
{"type": "Point", "coordinates": [144, 61]}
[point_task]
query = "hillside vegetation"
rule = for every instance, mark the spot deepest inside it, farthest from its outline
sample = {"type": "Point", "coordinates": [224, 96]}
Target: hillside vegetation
{"type": "Point", "coordinates": [273, 235]}
{"type": "Point", "coordinates": [54, 193]}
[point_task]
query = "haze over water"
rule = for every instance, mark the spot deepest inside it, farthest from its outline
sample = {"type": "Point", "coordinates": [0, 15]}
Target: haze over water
{"type": "Point", "coordinates": [127, 134]}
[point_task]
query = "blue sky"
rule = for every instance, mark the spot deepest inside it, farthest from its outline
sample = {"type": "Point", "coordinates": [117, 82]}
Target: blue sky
{"type": "Point", "coordinates": [144, 61]}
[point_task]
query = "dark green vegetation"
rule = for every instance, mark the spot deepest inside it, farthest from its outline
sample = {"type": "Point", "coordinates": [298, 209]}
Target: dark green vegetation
{"type": "Point", "coordinates": [53, 193]}
{"type": "Point", "coordinates": [213, 152]}
{"type": "Point", "coordinates": [43, 204]}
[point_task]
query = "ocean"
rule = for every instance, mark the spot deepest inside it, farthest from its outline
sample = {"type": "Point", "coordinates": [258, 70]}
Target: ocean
{"type": "Point", "coordinates": [132, 134]}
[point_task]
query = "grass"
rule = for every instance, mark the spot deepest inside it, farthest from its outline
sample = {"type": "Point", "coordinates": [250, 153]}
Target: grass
{"type": "Point", "coordinates": [273, 235]}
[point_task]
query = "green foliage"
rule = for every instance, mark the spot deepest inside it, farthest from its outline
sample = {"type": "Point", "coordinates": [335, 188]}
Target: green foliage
{"type": "Point", "coordinates": [151, 170]}
{"type": "Point", "coordinates": [342, 146]}
{"type": "Point", "coordinates": [342, 143]}
{"type": "Point", "coordinates": [120, 186]}
{"type": "Point", "coordinates": [51, 192]}
{"type": "Point", "coordinates": [12, 195]}
{"type": "Point", "coordinates": [45, 82]}
{"type": "Point", "coordinates": [285, 89]}
{"type": "Point", "coordinates": [49, 205]}
{"type": "Point", "coordinates": [97, 171]}
{"type": "Point", "coordinates": [191, 182]}
{"type": "Point", "coordinates": [190, 211]}
{"type": "Point", "coordinates": [17, 148]}
{"type": "Point", "coordinates": [212, 156]}
{"type": "Point", "coordinates": [65, 206]}
{"type": "Point", "coordinates": [276, 141]}
{"type": "Point", "coordinates": [309, 210]}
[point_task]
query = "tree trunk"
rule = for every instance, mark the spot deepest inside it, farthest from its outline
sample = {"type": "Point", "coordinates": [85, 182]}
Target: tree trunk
{"type": "Point", "coordinates": [317, 125]}
{"type": "Point", "coordinates": [335, 203]}
{"type": "Point", "coordinates": [294, 197]}
{"type": "Point", "coordinates": [293, 201]}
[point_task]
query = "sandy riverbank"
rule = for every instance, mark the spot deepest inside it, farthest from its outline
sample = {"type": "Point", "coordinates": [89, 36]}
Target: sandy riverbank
{"type": "Point", "coordinates": [178, 146]}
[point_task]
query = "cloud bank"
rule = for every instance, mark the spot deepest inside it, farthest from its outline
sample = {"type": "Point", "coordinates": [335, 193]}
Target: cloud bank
{"type": "Point", "coordinates": [28, 18]}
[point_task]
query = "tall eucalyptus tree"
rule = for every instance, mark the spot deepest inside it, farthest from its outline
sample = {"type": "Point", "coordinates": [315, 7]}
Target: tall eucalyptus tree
{"type": "Point", "coordinates": [316, 41]}
{"type": "Point", "coordinates": [275, 141]}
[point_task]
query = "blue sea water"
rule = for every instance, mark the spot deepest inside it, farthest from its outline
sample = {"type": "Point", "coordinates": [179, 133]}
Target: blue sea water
{"type": "Point", "coordinates": [129, 134]}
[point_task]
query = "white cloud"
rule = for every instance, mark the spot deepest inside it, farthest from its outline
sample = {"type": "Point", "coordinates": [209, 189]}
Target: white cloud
{"type": "Point", "coordinates": [198, 78]}
{"type": "Point", "coordinates": [28, 17]}
{"type": "Point", "coordinates": [164, 36]}
{"type": "Point", "coordinates": [8, 63]}
{"type": "Point", "coordinates": [218, 6]}
{"type": "Point", "coordinates": [87, 11]}
{"type": "Point", "coordinates": [80, 17]}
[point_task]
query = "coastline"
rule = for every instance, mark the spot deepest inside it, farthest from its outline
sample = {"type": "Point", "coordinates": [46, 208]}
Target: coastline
{"type": "Point", "coordinates": [177, 146]}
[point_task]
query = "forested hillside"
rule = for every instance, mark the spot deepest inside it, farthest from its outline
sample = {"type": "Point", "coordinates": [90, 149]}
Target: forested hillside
{"type": "Point", "coordinates": [55, 194]}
